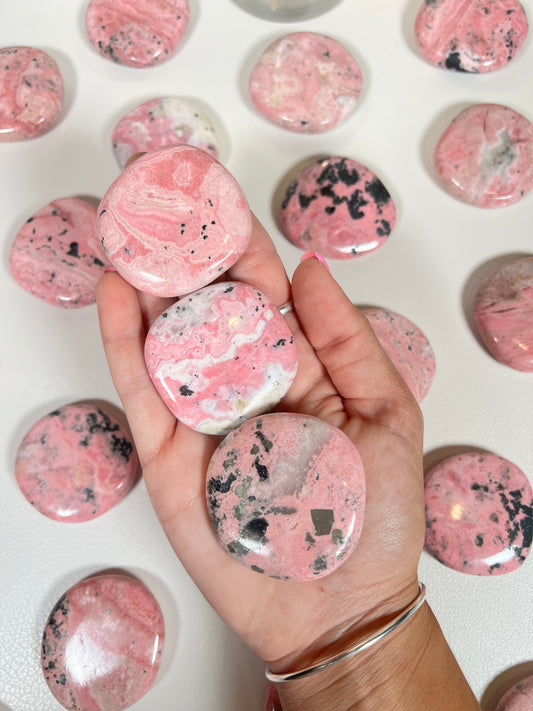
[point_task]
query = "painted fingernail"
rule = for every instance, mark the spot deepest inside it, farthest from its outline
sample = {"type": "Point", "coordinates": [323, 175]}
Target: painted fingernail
{"type": "Point", "coordinates": [310, 254]}
{"type": "Point", "coordinates": [109, 269]}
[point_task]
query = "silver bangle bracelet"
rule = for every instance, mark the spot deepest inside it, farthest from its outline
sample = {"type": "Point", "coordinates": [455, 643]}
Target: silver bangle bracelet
{"type": "Point", "coordinates": [365, 643]}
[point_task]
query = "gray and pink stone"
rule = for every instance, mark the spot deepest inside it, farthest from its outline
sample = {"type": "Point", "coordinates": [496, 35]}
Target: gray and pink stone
{"type": "Point", "coordinates": [102, 644]}
{"type": "Point", "coordinates": [485, 156]}
{"type": "Point", "coordinates": [173, 221]}
{"type": "Point", "coordinates": [519, 697]}
{"type": "Point", "coordinates": [220, 355]}
{"type": "Point", "coordinates": [337, 207]}
{"type": "Point", "coordinates": [479, 515]}
{"type": "Point", "coordinates": [76, 463]}
{"type": "Point", "coordinates": [286, 496]}
{"type": "Point", "coordinates": [57, 256]}
{"type": "Point", "coordinates": [503, 312]}
{"type": "Point", "coordinates": [470, 35]}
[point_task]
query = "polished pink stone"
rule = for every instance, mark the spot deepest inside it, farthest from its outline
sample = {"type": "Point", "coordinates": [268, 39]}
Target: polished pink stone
{"type": "Point", "coordinates": [407, 347]}
{"type": "Point", "coordinates": [162, 122]}
{"type": "Point", "coordinates": [470, 35]}
{"type": "Point", "coordinates": [137, 33]}
{"type": "Point", "coordinates": [102, 644]}
{"type": "Point", "coordinates": [272, 702]}
{"type": "Point", "coordinates": [174, 221]}
{"type": "Point", "coordinates": [286, 496]}
{"type": "Point", "coordinates": [503, 311]}
{"type": "Point", "coordinates": [305, 82]}
{"type": "Point", "coordinates": [479, 516]}
{"type": "Point", "coordinates": [31, 93]}
{"type": "Point", "coordinates": [485, 156]}
{"type": "Point", "coordinates": [220, 355]}
{"type": "Point", "coordinates": [337, 207]}
{"type": "Point", "coordinates": [519, 697]}
{"type": "Point", "coordinates": [76, 463]}
{"type": "Point", "coordinates": [57, 255]}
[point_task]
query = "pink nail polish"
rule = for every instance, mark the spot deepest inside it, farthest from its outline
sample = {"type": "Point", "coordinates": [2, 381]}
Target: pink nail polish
{"type": "Point", "coordinates": [109, 269]}
{"type": "Point", "coordinates": [311, 254]}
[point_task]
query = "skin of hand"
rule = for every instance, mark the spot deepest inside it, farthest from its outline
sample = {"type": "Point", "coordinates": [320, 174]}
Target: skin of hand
{"type": "Point", "coordinates": [345, 378]}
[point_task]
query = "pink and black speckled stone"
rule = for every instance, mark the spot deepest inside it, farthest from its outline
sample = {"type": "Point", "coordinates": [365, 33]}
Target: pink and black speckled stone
{"type": "Point", "coordinates": [519, 697]}
{"type": "Point", "coordinates": [479, 516]}
{"type": "Point", "coordinates": [286, 496]}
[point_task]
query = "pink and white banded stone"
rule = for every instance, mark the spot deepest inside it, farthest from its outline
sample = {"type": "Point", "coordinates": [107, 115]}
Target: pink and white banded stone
{"type": "Point", "coordinates": [519, 697]}
{"type": "Point", "coordinates": [470, 35]}
{"type": "Point", "coordinates": [162, 122]}
{"type": "Point", "coordinates": [173, 221]}
{"type": "Point", "coordinates": [305, 82]}
{"type": "Point", "coordinates": [31, 93]}
{"type": "Point", "coordinates": [503, 311]}
{"type": "Point", "coordinates": [57, 256]}
{"type": "Point", "coordinates": [479, 516]}
{"type": "Point", "coordinates": [286, 496]}
{"type": "Point", "coordinates": [485, 156]}
{"type": "Point", "coordinates": [102, 644]}
{"type": "Point", "coordinates": [221, 355]}
{"type": "Point", "coordinates": [136, 33]}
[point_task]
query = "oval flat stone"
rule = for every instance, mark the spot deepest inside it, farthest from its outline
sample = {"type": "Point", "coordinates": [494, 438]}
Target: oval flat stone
{"type": "Point", "coordinates": [337, 207]}
{"type": "Point", "coordinates": [76, 463]}
{"type": "Point", "coordinates": [287, 10]}
{"type": "Point", "coordinates": [102, 644]}
{"type": "Point", "coordinates": [305, 82]}
{"type": "Point", "coordinates": [479, 516]}
{"type": "Point", "coordinates": [220, 355]}
{"type": "Point", "coordinates": [174, 221]}
{"type": "Point", "coordinates": [519, 697]}
{"type": "Point", "coordinates": [138, 34]}
{"type": "Point", "coordinates": [503, 311]}
{"type": "Point", "coordinates": [470, 35]}
{"type": "Point", "coordinates": [485, 156]}
{"type": "Point", "coordinates": [57, 256]}
{"type": "Point", "coordinates": [407, 347]}
{"type": "Point", "coordinates": [286, 496]}
{"type": "Point", "coordinates": [31, 87]}
{"type": "Point", "coordinates": [162, 122]}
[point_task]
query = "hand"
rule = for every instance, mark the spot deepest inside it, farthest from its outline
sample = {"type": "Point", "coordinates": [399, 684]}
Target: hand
{"type": "Point", "coordinates": [345, 378]}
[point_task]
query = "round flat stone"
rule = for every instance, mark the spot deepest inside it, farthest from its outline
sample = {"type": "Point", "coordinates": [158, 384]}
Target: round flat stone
{"type": "Point", "coordinates": [221, 355]}
{"type": "Point", "coordinates": [31, 87]}
{"type": "Point", "coordinates": [503, 311]}
{"type": "Point", "coordinates": [337, 207]}
{"type": "Point", "coordinates": [479, 516]}
{"type": "Point", "coordinates": [407, 347]}
{"type": "Point", "coordinates": [519, 697]}
{"type": "Point", "coordinates": [305, 82]}
{"type": "Point", "coordinates": [286, 496]}
{"type": "Point", "coordinates": [163, 122]}
{"type": "Point", "coordinates": [138, 34]}
{"type": "Point", "coordinates": [287, 10]}
{"type": "Point", "coordinates": [174, 221]}
{"type": "Point", "coordinates": [470, 35]}
{"type": "Point", "coordinates": [76, 463]}
{"type": "Point", "coordinates": [57, 256]}
{"type": "Point", "coordinates": [102, 644]}
{"type": "Point", "coordinates": [272, 702]}
{"type": "Point", "coordinates": [485, 156]}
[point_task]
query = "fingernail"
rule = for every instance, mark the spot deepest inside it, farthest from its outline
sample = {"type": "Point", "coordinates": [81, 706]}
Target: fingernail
{"type": "Point", "coordinates": [109, 269]}
{"type": "Point", "coordinates": [310, 254]}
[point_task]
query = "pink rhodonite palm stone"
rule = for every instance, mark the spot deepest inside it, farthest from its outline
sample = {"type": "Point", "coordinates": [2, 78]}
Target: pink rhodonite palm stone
{"type": "Point", "coordinates": [220, 355]}
{"type": "Point", "coordinates": [174, 221]}
{"type": "Point", "coordinates": [485, 156]}
{"type": "Point", "coordinates": [286, 496]}
{"type": "Point", "coordinates": [519, 697]}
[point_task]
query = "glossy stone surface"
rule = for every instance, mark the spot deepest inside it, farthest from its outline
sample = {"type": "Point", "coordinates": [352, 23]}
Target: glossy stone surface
{"type": "Point", "coordinates": [31, 87]}
{"type": "Point", "coordinates": [337, 207]}
{"type": "Point", "coordinates": [305, 82]}
{"type": "Point", "coordinates": [479, 516]}
{"type": "Point", "coordinates": [57, 256]}
{"type": "Point", "coordinates": [503, 311]}
{"type": "Point", "coordinates": [407, 347]}
{"type": "Point", "coordinates": [470, 35]}
{"type": "Point", "coordinates": [272, 702]}
{"type": "Point", "coordinates": [162, 122]}
{"type": "Point", "coordinates": [102, 644]}
{"type": "Point", "coordinates": [137, 34]}
{"type": "Point", "coordinates": [485, 156]}
{"type": "Point", "coordinates": [519, 697]}
{"type": "Point", "coordinates": [76, 463]}
{"type": "Point", "coordinates": [286, 496]}
{"type": "Point", "coordinates": [220, 355]}
{"type": "Point", "coordinates": [173, 221]}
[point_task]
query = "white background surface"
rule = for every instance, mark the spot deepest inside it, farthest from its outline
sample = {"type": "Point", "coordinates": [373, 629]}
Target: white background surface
{"type": "Point", "coordinates": [427, 271]}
